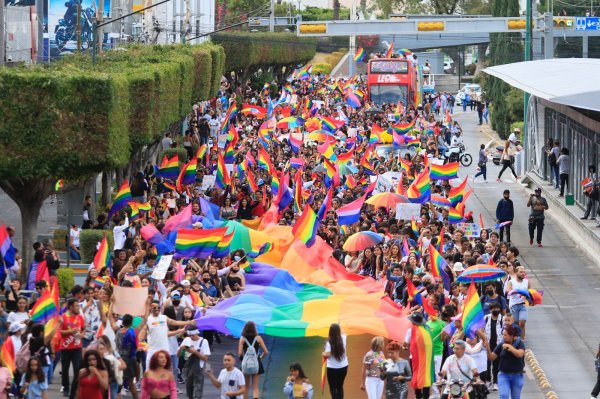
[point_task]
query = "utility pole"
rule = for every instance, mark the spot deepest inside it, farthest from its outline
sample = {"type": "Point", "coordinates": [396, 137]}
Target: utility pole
{"type": "Point", "coordinates": [528, 34]}
{"type": "Point", "coordinates": [98, 35]}
{"type": "Point", "coordinates": [272, 17]}
{"type": "Point", "coordinates": [78, 28]}
{"type": "Point", "coordinates": [2, 35]}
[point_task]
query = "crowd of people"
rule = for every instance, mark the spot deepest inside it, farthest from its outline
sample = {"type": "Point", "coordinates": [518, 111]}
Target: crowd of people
{"type": "Point", "coordinates": [162, 353]}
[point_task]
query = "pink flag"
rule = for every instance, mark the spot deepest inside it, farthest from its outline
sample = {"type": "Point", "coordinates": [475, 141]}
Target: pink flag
{"type": "Point", "coordinates": [182, 219]}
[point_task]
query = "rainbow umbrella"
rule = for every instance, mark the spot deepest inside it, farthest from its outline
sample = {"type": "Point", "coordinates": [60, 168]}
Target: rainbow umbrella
{"type": "Point", "coordinates": [480, 273]}
{"type": "Point", "coordinates": [386, 200]}
{"type": "Point", "coordinates": [291, 122]}
{"type": "Point", "coordinates": [319, 135]}
{"type": "Point", "coordinates": [347, 169]}
{"type": "Point", "coordinates": [361, 240]}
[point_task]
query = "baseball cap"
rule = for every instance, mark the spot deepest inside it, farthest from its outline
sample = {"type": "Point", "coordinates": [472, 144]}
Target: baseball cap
{"type": "Point", "coordinates": [458, 267]}
{"type": "Point", "coordinates": [185, 283]}
{"type": "Point", "coordinates": [175, 295]}
{"type": "Point", "coordinates": [16, 326]}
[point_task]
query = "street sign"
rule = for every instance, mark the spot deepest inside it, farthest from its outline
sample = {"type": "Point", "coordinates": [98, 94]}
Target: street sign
{"type": "Point", "coordinates": [587, 23]}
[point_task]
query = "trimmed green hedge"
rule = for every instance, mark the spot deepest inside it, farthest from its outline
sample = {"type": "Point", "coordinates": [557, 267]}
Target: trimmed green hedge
{"type": "Point", "coordinates": [322, 67]}
{"type": "Point", "coordinates": [264, 48]}
{"type": "Point", "coordinates": [88, 239]}
{"type": "Point", "coordinates": [66, 281]}
{"type": "Point", "coordinates": [182, 154]}
{"type": "Point", "coordinates": [72, 119]}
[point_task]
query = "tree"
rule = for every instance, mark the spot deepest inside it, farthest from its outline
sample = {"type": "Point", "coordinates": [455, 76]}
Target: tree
{"type": "Point", "coordinates": [336, 10]}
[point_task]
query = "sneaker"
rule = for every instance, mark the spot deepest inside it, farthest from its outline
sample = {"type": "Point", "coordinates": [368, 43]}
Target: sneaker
{"type": "Point", "coordinates": [61, 390]}
{"type": "Point", "coordinates": [495, 387]}
{"type": "Point", "coordinates": [499, 180]}
{"type": "Point", "coordinates": [540, 244]}
{"type": "Point", "coordinates": [518, 178]}
{"type": "Point", "coordinates": [179, 391]}
{"type": "Point", "coordinates": [180, 380]}
{"type": "Point", "coordinates": [530, 242]}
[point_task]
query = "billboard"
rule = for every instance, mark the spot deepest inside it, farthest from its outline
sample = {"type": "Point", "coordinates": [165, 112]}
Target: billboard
{"type": "Point", "coordinates": [62, 24]}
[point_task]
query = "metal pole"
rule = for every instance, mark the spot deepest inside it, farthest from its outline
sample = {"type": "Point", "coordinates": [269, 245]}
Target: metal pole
{"type": "Point", "coordinates": [548, 36]}
{"type": "Point", "coordinates": [528, 26]}
{"type": "Point", "coordinates": [78, 27]}
{"type": "Point", "coordinates": [272, 17]}
{"type": "Point", "coordinates": [98, 32]}
{"type": "Point", "coordinates": [2, 36]}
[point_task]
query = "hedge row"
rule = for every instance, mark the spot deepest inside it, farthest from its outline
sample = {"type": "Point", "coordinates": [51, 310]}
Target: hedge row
{"type": "Point", "coordinates": [264, 48]}
{"type": "Point", "coordinates": [73, 118]}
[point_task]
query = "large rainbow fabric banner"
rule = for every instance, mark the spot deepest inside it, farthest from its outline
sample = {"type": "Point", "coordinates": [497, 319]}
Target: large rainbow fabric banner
{"type": "Point", "coordinates": [280, 306]}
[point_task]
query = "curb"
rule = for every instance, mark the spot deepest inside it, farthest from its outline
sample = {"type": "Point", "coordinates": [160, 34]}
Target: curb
{"type": "Point", "coordinates": [540, 375]}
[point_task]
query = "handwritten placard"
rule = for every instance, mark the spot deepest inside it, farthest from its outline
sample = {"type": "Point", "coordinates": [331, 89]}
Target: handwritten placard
{"type": "Point", "coordinates": [160, 270]}
{"type": "Point", "coordinates": [470, 229]}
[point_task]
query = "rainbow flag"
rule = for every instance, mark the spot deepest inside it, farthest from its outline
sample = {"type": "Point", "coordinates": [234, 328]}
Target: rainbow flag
{"type": "Point", "coordinates": [360, 55]}
{"type": "Point", "coordinates": [454, 216]}
{"type": "Point", "coordinates": [399, 111]}
{"type": "Point", "coordinates": [102, 257]}
{"type": "Point", "coordinates": [295, 143]}
{"type": "Point", "coordinates": [438, 265]}
{"type": "Point", "coordinates": [298, 191]}
{"type": "Point", "coordinates": [223, 179]}
{"type": "Point", "coordinates": [187, 174]}
{"type": "Point", "coordinates": [170, 186]}
{"type": "Point", "coordinates": [457, 193]}
{"type": "Point", "coordinates": [123, 196]}
{"type": "Point", "coordinates": [404, 128]}
{"type": "Point", "coordinates": [305, 228]}
{"type": "Point", "coordinates": [195, 243]}
{"type": "Point", "coordinates": [388, 54]}
{"type": "Point", "coordinates": [224, 246]}
{"type": "Point", "coordinates": [419, 190]}
{"type": "Point", "coordinates": [135, 212]}
{"type": "Point", "coordinates": [376, 132]}
{"type": "Point", "coordinates": [444, 172]}
{"type": "Point", "coordinates": [421, 349]}
{"type": "Point", "coordinates": [353, 100]}
{"type": "Point", "coordinates": [42, 273]}
{"type": "Point", "coordinates": [251, 181]}
{"type": "Point", "coordinates": [229, 152]}
{"type": "Point", "coordinates": [169, 168]}
{"type": "Point", "coordinates": [201, 152]}
{"type": "Point", "coordinates": [266, 247]}
{"type": "Point", "coordinates": [405, 166]}
{"type": "Point", "coordinates": [438, 200]}
{"type": "Point", "coordinates": [472, 315]}
{"type": "Point", "coordinates": [500, 225]}
{"type": "Point", "coordinates": [346, 157]}
{"type": "Point", "coordinates": [327, 202]}
{"type": "Point", "coordinates": [275, 184]}
{"type": "Point", "coordinates": [196, 300]}
{"type": "Point", "coordinates": [329, 123]}
{"type": "Point", "coordinates": [326, 149]}
{"type": "Point", "coordinates": [44, 308]}
{"type": "Point", "coordinates": [8, 355]}
{"type": "Point", "coordinates": [264, 161]}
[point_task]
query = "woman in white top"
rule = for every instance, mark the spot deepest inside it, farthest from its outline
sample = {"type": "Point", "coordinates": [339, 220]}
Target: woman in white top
{"type": "Point", "coordinates": [74, 242]}
{"type": "Point", "coordinates": [337, 361]}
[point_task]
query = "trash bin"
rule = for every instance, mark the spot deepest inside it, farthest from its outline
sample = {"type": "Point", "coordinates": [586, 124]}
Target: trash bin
{"type": "Point", "coordinates": [569, 199]}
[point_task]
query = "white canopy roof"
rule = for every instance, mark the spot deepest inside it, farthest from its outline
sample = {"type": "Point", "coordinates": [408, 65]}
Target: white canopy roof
{"type": "Point", "coordinates": [569, 81]}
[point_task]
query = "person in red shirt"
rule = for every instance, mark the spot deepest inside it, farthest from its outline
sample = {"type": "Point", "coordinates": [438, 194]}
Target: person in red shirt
{"type": "Point", "coordinates": [71, 327]}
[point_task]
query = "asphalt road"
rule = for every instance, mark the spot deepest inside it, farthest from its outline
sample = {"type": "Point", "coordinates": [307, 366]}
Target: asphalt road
{"type": "Point", "coordinates": [562, 332]}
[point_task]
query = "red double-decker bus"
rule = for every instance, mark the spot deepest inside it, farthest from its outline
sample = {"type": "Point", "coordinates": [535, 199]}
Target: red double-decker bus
{"type": "Point", "coordinates": [390, 80]}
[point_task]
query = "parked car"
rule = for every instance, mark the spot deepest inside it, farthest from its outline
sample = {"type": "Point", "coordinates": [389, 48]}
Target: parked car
{"type": "Point", "coordinates": [467, 89]}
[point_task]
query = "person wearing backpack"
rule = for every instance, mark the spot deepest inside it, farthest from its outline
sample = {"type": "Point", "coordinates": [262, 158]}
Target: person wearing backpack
{"type": "Point", "coordinates": [196, 351]}
{"type": "Point", "coordinates": [248, 349]}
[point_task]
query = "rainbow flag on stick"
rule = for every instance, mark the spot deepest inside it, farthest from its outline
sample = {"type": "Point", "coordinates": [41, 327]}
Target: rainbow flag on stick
{"type": "Point", "coordinates": [102, 258]}
{"type": "Point", "coordinates": [323, 374]}
{"type": "Point", "coordinates": [388, 54]}
{"type": "Point", "coordinates": [420, 189]}
{"type": "Point", "coordinates": [223, 247]}
{"type": "Point", "coordinates": [195, 243]}
{"type": "Point", "coordinates": [444, 172]}
{"type": "Point", "coordinates": [223, 179]}
{"type": "Point", "coordinates": [360, 55]}
{"type": "Point", "coordinates": [438, 265]}
{"type": "Point", "coordinates": [306, 226]}
{"type": "Point", "coordinates": [188, 174]}
{"type": "Point", "coordinates": [44, 308]}
{"type": "Point", "coordinates": [472, 315]}
{"type": "Point", "coordinates": [121, 199]}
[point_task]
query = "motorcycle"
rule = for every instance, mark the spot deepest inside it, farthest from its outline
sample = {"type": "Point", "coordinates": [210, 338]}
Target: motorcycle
{"type": "Point", "coordinates": [458, 389]}
{"type": "Point", "coordinates": [67, 27]}
{"type": "Point", "coordinates": [459, 154]}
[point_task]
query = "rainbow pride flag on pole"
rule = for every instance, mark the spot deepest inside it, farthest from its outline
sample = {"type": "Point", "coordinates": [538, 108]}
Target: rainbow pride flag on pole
{"type": "Point", "coordinates": [102, 258]}
{"type": "Point", "coordinates": [360, 55]}
{"type": "Point", "coordinates": [195, 243]}
{"type": "Point", "coordinates": [438, 265]}
{"type": "Point", "coordinates": [44, 308]}
{"type": "Point", "coordinates": [306, 226]}
{"type": "Point", "coordinates": [121, 199]}
{"type": "Point", "coordinates": [472, 316]}
{"type": "Point", "coordinates": [444, 172]}
{"type": "Point", "coordinates": [420, 189]}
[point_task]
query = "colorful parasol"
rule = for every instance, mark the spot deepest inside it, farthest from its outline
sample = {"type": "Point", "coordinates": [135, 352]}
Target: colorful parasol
{"type": "Point", "coordinates": [386, 200]}
{"type": "Point", "coordinates": [480, 273]}
{"type": "Point", "coordinates": [361, 240]}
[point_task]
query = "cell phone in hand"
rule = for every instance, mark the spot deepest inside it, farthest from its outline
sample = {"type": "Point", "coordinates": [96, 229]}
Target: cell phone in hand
{"type": "Point", "coordinates": [208, 367]}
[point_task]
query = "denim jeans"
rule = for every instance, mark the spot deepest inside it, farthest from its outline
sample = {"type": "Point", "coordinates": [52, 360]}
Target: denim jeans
{"type": "Point", "coordinates": [556, 176]}
{"type": "Point", "coordinates": [510, 385]}
{"type": "Point", "coordinates": [74, 254]}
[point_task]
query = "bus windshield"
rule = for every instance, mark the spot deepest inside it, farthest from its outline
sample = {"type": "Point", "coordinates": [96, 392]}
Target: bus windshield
{"type": "Point", "coordinates": [389, 94]}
